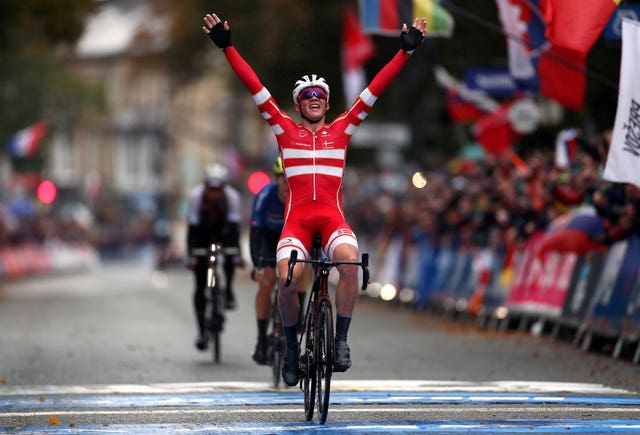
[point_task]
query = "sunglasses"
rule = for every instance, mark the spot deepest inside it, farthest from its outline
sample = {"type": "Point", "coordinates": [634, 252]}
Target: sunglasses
{"type": "Point", "coordinates": [307, 94]}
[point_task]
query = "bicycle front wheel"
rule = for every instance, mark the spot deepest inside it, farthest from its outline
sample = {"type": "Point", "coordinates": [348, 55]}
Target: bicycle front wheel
{"type": "Point", "coordinates": [324, 358]}
{"type": "Point", "coordinates": [216, 323]}
{"type": "Point", "coordinates": [307, 363]}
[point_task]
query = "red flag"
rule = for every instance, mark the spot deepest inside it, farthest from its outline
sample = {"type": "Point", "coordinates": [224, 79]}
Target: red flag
{"type": "Point", "coordinates": [562, 76]}
{"type": "Point", "coordinates": [463, 104]}
{"type": "Point", "coordinates": [494, 131]}
{"type": "Point", "coordinates": [357, 49]}
{"type": "Point", "coordinates": [461, 110]}
{"type": "Point", "coordinates": [576, 24]}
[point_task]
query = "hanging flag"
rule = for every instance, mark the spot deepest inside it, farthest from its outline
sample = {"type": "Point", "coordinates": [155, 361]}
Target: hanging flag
{"type": "Point", "coordinates": [562, 76]}
{"type": "Point", "coordinates": [357, 49]}
{"type": "Point", "coordinates": [536, 64]}
{"type": "Point", "coordinates": [463, 104]}
{"type": "Point", "coordinates": [494, 131]}
{"type": "Point", "coordinates": [25, 142]}
{"type": "Point", "coordinates": [623, 159]}
{"type": "Point", "coordinates": [524, 28]}
{"type": "Point", "coordinates": [566, 147]}
{"type": "Point", "coordinates": [385, 17]}
{"type": "Point", "coordinates": [575, 24]}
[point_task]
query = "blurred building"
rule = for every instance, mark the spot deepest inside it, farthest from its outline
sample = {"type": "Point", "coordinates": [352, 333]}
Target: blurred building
{"type": "Point", "coordinates": [155, 138]}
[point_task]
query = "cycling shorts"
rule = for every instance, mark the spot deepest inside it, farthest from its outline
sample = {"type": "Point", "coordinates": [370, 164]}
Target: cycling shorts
{"type": "Point", "coordinates": [306, 220]}
{"type": "Point", "coordinates": [267, 247]}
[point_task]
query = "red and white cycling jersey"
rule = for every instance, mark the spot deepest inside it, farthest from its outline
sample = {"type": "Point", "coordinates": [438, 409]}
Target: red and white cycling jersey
{"type": "Point", "coordinates": [314, 163]}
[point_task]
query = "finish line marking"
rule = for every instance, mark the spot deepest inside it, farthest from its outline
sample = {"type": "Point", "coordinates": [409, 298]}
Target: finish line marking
{"type": "Point", "coordinates": [404, 427]}
{"type": "Point", "coordinates": [291, 398]}
{"type": "Point", "coordinates": [336, 385]}
{"type": "Point", "coordinates": [298, 410]}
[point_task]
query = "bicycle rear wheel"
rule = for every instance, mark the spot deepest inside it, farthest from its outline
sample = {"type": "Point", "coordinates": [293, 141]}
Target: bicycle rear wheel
{"type": "Point", "coordinates": [324, 358]}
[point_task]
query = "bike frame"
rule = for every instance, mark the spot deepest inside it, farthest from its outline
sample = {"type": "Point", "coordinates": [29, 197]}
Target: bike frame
{"type": "Point", "coordinates": [317, 338]}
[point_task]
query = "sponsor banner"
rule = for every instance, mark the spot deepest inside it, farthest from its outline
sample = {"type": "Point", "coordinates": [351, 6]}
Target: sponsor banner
{"type": "Point", "coordinates": [428, 254]}
{"type": "Point", "coordinates": [582, 286]}
{"type": "Point", "coordinates": [493, 81]}
{"type": "Point", "coordinates": [613, 29]}
{"type": "Point", "coordinates": [541, 285]}
{"type": "Point", "coordinates": [605, 306]}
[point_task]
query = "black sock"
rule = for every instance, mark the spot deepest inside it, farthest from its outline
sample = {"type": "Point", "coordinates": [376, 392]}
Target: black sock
{"type": "Point", "coordinates": [291, 335]}
{"type": "Point", "coordinates": [262, 329]}
{"type": "Point", "coordinates": [342, 327]}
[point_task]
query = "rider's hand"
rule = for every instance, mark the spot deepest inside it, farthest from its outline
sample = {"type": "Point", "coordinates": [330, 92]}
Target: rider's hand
{"type": "Point", "coordinates": [412, 38]}
{"type": "Point", "coordinates": [217, 30]}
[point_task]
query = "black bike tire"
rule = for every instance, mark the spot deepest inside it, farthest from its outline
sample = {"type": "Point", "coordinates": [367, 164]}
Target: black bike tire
{"type": "Point", "coordinates": [277, 360]}
{"type": "Point", "coordinates": [308, 372]}
{"type": "Point", "coordinates": [215, 327]}
{"type": "Point", "coordinates": [324, 358]}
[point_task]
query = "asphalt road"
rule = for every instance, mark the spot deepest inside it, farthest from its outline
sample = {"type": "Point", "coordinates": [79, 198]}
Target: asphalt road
{"type": "Point", "coordinates": [111, 350]}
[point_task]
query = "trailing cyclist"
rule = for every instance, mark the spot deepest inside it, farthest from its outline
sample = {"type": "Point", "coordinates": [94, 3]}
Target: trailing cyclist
{"type": "Point", "coordinates": [314, 156]}
{"type": "Point", "coordinates": [213, 216]}
{"type": "Point", "coordinates": [267, 218]}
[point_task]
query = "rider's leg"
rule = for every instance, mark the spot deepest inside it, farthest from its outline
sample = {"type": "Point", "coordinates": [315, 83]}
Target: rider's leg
{"type": "Point", "coordinates": [346, 294]}
{"type": "Point", "coordinates": [199, 302]}
{"type": "Point", "coordinates": [289, 308]}
{"type": "Point", "coordinates": [266, 282]}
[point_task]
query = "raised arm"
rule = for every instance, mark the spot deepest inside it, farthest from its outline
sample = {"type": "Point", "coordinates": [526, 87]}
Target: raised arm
{"type": "Point", "coordinates": [220, 33]}
{"type": "Point", "coordinates": [410, 39]}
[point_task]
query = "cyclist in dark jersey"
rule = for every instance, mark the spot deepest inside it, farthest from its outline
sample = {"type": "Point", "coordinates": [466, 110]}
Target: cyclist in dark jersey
{"type": "Point", "coordinates": [213, 216]}
{"type": "Point", "coordinates": [267, 218]}
{"type": "Point", "coordinates": [314, 155]}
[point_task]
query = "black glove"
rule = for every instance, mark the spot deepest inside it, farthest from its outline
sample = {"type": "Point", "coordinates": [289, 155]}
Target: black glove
{"type": "Point", "coordinates": [411, 39]}
{"type": "Point", "coordinates": [220, 36]}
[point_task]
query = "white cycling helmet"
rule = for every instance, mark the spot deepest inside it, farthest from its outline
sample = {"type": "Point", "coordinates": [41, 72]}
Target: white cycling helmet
{"type": "Point", "coordinates": [309, 81]}
{"type": "Point", "coordinates": [216, 175]}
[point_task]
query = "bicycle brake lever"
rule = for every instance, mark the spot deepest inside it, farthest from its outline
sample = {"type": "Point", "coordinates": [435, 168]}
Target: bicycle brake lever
{"type": "Point", "coordinates": [292, 262]}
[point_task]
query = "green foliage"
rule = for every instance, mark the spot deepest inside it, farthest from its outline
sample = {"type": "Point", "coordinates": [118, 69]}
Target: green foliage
{"type": "Point", "coordinates": [34, 84]}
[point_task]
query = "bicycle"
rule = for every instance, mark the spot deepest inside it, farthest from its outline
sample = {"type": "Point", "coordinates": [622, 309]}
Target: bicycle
{"type": "Point", "coordinates": [214, 296]}
{"type": "Point", "coordinates": [318, 353]}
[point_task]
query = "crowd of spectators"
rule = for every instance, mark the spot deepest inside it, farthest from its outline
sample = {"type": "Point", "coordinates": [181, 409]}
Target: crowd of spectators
{"type": "Point", "coordinates": [493, 201]}
{"type": "Point", "coordinates": [486, 201]}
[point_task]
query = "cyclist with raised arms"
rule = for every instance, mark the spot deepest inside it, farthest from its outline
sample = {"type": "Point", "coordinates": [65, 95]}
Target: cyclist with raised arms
{"type": "Point", "coordinates": [314, 155]}
{"type": "Point", "coordinates": [267, 219]}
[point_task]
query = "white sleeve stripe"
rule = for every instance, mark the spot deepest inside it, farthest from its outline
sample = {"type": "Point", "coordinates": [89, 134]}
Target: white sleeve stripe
{"type": "Point", "coordinates": [362, 115]}
{"type": "Point", "coordinates": [266, 115]}
{"type": "Point", "coordinates": [261, 97]}
{"type": "Point", "coordinates": [350, 129]}
{"type": "Point", "coordinates": [368, 98]}
{"type": "Point", "coordinates": [277, 129]}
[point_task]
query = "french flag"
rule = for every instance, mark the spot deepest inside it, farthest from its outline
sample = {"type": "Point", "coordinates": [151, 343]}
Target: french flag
{"type": "Point", "coordinates": [25, 142]}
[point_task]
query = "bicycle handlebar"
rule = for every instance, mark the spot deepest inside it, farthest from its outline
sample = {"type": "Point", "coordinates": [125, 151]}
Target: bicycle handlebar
{"type": "Point", "coordinates": [204, 252]}
{"type": "Point", "coordinates": [325, 264]}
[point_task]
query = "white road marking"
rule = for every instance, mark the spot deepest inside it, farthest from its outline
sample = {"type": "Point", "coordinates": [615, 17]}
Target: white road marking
{"type": "Point", "coordinates": [336, 386]}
